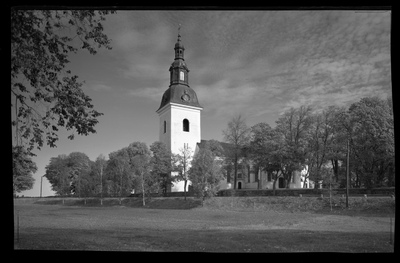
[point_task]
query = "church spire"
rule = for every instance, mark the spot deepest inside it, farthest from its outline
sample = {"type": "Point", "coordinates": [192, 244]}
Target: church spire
{"type": "Point", "coordinates": [178, 70]}
{"type": "Point", "coordinates": [179, 91]}
{"type": "Point", "coordinates": [179, 48]}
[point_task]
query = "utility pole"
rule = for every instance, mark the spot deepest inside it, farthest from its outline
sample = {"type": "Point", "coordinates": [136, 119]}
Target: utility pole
{"type": "Point", "coordinates": [101, 184]}
{"type": "Point", "coordinates": [347, 173]}
{"type": "Point", "coordinates": [41, 182]}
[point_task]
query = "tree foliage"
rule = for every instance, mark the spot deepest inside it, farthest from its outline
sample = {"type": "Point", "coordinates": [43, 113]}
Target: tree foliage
{"type": "Point", "coordinates": [291, 131]}
{"type": "Point", "coordinates": [205, 172]}
{"type": "Point", "coordinates": [71, 174]}
{"type": "Point", "coordinates": [265, 149]}
{"type": "Point", "coordinates": [317, 140]}
{"type": "Point", "coordinates": [181, 163]}
{"type": "Point", "coordinates": [23, 169]}
{"type": "Point", "coordinates": [98, 171]}
{"type": "Point", "coordinates": [139, 159]}
{"type": "Point", "coordinates": [45, 94]}
{"type": "Point", "coordinates": [119, 174]}
{"type": "Point", "coordinates": [372, 141]}
{"type": "Point", "coordinates": [238, 135]}
{"type": "Point", "coordinates": [161, 163]}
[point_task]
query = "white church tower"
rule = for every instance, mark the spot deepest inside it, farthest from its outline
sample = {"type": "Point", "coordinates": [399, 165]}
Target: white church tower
{"type": "Point", "coordinates": [179, 111]}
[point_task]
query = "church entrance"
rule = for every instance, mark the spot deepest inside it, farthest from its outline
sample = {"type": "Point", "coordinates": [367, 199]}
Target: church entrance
{"type": "Point", "coordinates": [239, 185]}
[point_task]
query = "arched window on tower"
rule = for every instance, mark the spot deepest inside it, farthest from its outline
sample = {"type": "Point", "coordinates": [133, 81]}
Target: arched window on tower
{"type": "Point", "coordinates": [185, 125]}
{"type": "Point", "coordinates": [165, 126]}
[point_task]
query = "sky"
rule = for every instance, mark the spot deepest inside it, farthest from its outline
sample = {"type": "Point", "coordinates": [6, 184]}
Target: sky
{"type": "Point", "coordinates": [254, 63]}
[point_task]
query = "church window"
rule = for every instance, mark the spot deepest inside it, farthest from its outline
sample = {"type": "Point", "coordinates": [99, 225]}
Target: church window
{"type": "Point", "coordinates": [185, 125]}
{"type": "Point", "coordinates": [165, 126]}
{"type": "Point", "coordinates": [182, 75]}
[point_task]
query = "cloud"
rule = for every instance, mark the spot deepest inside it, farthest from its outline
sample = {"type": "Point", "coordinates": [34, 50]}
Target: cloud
{"type": "Point", "coordinates": [100, 87]}
{"type": "Point", "coordinates": [154, 94]}
{"type": "Point", "coordinates": [259, 63]}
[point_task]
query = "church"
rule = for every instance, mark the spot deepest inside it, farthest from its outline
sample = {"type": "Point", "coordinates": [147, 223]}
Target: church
{"type": "Point", "coordinates": [180, 127]}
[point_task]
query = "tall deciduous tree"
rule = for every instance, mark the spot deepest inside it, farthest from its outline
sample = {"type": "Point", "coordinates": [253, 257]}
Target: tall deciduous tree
{"type": "Point", "coordinates": [79, 166]}
{"type": "Point", "coordinates": [238, 134]}
{"type": "Point", "coordinates": [372, 141]}
{"type": "Point", "coordinates": [181, 164]}
{"type": "Point", "coordinates": [261, 137]}
{"type": "Point", "coordinates": [205, 172]}
{"type": "Point", "coordinates": [119, 173]}
{"type": "Point", "coordinates": [98, 170]}
{"type": "Point", "coordinates": [45, 94]}
{"type": "Point", "coordinates": [23, 170]}
{"type": "Point", "coordinates": [293, 127]}
{"type": "Point", "coordinates": [320, 139]}
{"type": "Point", "coordinates": [139, 159]}
{"type": "Point", "coordinates": [58, 174]}
{"type": "Point", "coordinates": [161, 165]}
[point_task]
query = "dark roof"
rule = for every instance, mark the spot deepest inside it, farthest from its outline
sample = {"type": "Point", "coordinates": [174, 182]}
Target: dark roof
{"type": "Point", "coordinates": [175, 94]}
{"type": "Point", "coordinates": [227, 147]}
{"type": "Point", "coordinates": [179, 63]}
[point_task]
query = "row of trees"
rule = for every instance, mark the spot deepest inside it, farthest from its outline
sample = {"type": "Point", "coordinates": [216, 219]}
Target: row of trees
{"type": "Point", "coordinates": [312, 139]}
{"type": "Point", "coordinates": [135, 167]}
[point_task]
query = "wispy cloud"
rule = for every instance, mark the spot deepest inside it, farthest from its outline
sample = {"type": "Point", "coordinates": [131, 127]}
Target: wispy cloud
{"type": "Point", "coordinates": [261, 62]}
{"type": "Point", "coordinates": [100, 87]}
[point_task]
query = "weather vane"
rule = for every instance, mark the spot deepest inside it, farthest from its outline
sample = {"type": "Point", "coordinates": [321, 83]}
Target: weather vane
{"type": "Point", "coordinates": [179, 30]}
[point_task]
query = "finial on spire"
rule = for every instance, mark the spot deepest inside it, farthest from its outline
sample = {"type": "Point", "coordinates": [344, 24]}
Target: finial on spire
{"type": "Point", "coordinates": [179, 30]}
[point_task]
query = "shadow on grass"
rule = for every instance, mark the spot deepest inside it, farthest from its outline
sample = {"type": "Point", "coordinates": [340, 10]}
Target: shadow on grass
{"type": "Point", "coordinates": [204, 240]}
{"type": "Point", "coordinates": [153, 203]}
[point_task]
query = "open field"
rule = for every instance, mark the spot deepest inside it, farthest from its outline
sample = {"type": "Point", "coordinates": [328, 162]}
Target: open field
{"type": "Point", "coordinates": [220, 226]}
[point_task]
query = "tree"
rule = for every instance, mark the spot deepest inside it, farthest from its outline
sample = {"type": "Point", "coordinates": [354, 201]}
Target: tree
{"type": "Point", "coordinates": [338, 147]}
{"type": "Point", "coordinates": [372, 141]}
{"type": "Point", "coordinates": [79, 166]}
{"type": "Point", "coordinates": [139, 159]}
{"type": "Point", "coordinates": [181, 164]}
{"type": "Point", "coordinates": [261, 137]}
{"type": "Point", "coordinates": [237, 134]}
{"type": "Point", "coordinates": [58, 174]}
{"type": "Point", "coordinates": [276, 157]}
{"type": "Point", "coordinates": [161, 165]}
{"type": "Point", "coordinates": [71, 174]}
{"type": "Point", "coordinates": [292, 128]}
{"type": "Point", "coordinates": [320, 139]}
{"type": "Point", "coordinates": [44, 94]}
{"type": "Point", "coordinates": [119, 173]}
{"type": "Point", "coordinates": [98, 168]}
{"type": "Point", "coordinates": [205, 172]}
{"type": "Point", "coordinates": [23, 170]}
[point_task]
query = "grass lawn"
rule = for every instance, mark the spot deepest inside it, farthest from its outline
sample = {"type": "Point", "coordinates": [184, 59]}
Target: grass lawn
{"type": "Point", "coordinates": [222, 225]}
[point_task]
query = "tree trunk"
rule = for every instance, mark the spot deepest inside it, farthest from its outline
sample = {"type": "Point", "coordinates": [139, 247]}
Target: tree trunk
{"type": "Point", "coordinates": [184, 189]}
{"type": "Point", "coordinates": [235, 175]}
{"type": "Point", "coordinates": [274, 184]}
{"type": "Point", "coordinates": [101, 185]}
{"type": "Point", "coordinates": [335, 165]}
{"type": "Point", "coordinates": [143, 199]}
{"type": "Point", "coordinates": [120, 190]}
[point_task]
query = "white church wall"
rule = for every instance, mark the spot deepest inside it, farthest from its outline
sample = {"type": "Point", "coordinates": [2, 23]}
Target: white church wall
{"type": "Point", "coordinates": [165, 136]}
{"type": "Point", "coordinates": [180, 137]}
{"type": "Point", "coordinates": [175, 137]}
